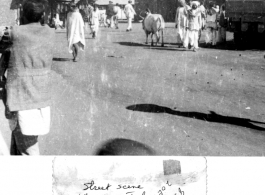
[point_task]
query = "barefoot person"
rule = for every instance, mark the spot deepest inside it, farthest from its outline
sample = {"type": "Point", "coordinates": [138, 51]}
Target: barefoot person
{"type": "Point", "coordinates": [75, 31]}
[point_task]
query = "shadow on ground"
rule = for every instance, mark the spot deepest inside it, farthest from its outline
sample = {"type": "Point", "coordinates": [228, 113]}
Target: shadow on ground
{"type": "Point", "coordinates": [168, 46]}
{"type": "Point", "coordinates": [62, 59]}
{"type": "Point", "coordinates": [230, 45]}
{"type": "Point", "coordinates": [132, 44]}
{"type": "Point", "coordinates": [211, 117]}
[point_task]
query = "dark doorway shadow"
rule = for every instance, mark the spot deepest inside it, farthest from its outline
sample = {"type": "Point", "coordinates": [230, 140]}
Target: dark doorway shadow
{"type": "Point", "coordinates": [211, 117]}
{"type": "Point", "coordinates": [62, 59]}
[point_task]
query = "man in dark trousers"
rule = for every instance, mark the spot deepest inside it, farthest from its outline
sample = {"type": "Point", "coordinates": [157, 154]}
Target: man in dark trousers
{"type": "Point", "coordinates": [110, 13]}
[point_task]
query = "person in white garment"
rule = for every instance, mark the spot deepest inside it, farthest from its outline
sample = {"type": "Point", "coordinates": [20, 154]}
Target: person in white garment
{"type": "Point", "coordinates": [129, 12]}
{"type": "Point", "coordinates": [57, 22]}
{"type": "Point", "coordinates": [211, 25]}
{"type": "Point", "coordinates": [203, 17]}
{"type": "Point", "coordinates": [194, 25]}
{"type": "Point", "coordinates": [181, 22]}
{"type": "Point", "coordinates": [94, 21]}
{"type": "Point", "coordinates": [75, 31]}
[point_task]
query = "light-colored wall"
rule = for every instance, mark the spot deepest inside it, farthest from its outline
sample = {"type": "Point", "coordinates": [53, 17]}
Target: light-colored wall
{"type": "Point", "coordinates": [7, 16]}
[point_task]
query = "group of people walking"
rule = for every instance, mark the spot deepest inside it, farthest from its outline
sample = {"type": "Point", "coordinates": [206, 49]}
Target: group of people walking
{"type": "Point", "coordinates": [192, 18]}
{"type": "Point", "coordinates": [113, 13]}
{"type": "Point", "coordinates": [28, 72]}
{"type": "Point", "coordinates": [75, 23]}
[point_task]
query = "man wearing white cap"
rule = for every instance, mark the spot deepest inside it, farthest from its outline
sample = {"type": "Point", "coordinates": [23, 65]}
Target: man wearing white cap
{"type": "Point", "coordinates": [129, 12]}
{"type": "Point", "coordinates": [194, 25]}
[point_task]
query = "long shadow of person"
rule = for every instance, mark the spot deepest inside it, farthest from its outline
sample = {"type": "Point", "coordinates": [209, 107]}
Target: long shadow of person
{"type": "Point", "coordinates": [211, 117]}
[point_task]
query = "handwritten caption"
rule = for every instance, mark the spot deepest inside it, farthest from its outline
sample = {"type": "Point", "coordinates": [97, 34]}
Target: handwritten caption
{"type": "Point", "coordinates": [91, 186]}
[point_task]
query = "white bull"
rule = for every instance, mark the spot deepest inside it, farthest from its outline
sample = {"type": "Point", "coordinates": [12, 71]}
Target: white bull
{"type": "Point", "coordinates": [154, 24]}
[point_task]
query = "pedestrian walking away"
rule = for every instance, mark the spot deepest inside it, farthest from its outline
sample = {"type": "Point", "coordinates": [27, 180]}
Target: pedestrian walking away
{"type": "Point", "coordinates": [28, 79]}
{"type": "Point", "coordinates": [181, 22]}
{"type": "Point", "coordinates": [203, 17]}
{"type": "Point", "coordinates": [86, 12]}
{"type": "Point", "coordinates": [94, 21]}
{"type": "Point", "coordinates": [129, 12]}
{"type": "Point", "coordinates": [110, 14]}
{"type": "Point", "coordinates": [75, 31]}
{"type": "Point", "coordinates": [211, 25]}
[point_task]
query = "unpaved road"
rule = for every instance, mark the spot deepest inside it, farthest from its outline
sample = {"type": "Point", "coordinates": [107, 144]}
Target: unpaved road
{"type": "Point", "coordinates": [209, 102]}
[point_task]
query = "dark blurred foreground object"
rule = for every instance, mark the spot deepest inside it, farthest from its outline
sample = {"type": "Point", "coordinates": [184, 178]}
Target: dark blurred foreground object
{"type": "Point", "coordinates": [124, 147]}
{"type": "Point", "coordinates": [5, 43]}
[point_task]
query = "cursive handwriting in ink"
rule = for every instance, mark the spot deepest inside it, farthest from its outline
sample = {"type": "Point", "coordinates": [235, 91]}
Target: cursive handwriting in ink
{"type": "Point", "coordinates": [133, 192]}
{"type": "Point", "coordinates": [92, 186]}
{"type": "Point", "coordinates": [181, 192]}
{"type": "Point", "coordinates": [160, 192]}
{"type": "Point", "coordinates": [168, 184]}
{"type": "Point", "coordinates": [125, 187]}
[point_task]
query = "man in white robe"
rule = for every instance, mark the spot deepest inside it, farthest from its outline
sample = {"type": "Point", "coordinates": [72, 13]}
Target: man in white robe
{"type": "Point", "coordinates": [194, 25]}
{"type": "Point", "coordinates": [129, 12]}
{"type": "Point", "coordinates": [75, 31]}
{"type": "Point", "coordinates": [181, 22]}
{"type": "Point", "coordinates": [211, 25]}
{"type": "Point", "coordinates": [94, 21]}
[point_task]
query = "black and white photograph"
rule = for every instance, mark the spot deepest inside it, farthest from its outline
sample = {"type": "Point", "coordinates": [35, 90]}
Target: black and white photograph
{"type": "Point", "coordinates": [83, 79]}
{"type": "Point", "coordinates": [175, 77]}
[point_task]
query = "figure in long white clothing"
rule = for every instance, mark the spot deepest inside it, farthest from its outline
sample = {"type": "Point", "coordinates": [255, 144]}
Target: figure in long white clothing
{"type": "Point", "coordinates": [194, 25]}
{"type": "Point", "coordinates": [203, 17]}
{"type": "Point", "coordinates": [129, 12]}
{"type": "Point", "coordinates": [94, 21]}
{"type": "Point", "coordinates": [57, 22]}
{"type": "Point", "coordinates": [75, 31]}
{"type": "Point", "coordinates": [211, 25]}
{"type": "Point", "coordinates": [181, 22]}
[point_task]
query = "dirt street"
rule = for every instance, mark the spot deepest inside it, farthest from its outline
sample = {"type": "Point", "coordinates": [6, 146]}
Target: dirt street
{"type": "Point", "coordinates": [209, 102]}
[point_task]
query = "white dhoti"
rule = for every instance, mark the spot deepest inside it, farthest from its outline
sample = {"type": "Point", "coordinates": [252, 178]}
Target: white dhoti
{"type": "Point", "coordinates": [35, 121]}
{"type": "Point", "coordinates": [27, 125]}
{"type": "Point", "coordinates": [192, 38]}
{"type": "Point", "coordinates": [181, 32]}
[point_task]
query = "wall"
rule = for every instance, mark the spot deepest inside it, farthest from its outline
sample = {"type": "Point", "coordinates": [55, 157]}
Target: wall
{"type": "Point", "coordinates": [167, 8]}
{"type": "Point", "coordinates": [7, 16]}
